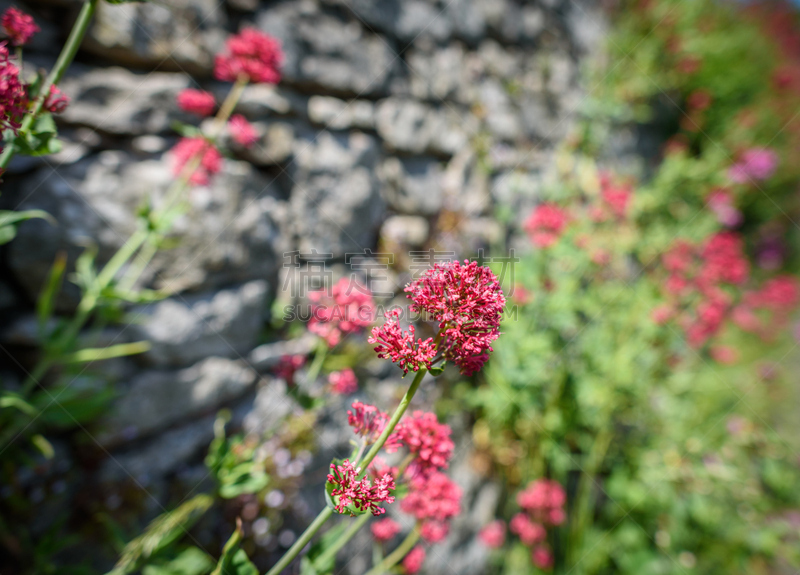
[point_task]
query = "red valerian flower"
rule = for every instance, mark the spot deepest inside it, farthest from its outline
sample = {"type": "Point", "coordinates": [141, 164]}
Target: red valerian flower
{"type": "Point", "coordinates": [430, 440]}
{"type": "Point", "coordinates": [385, 529]}
{"type": "Point", "coordinates": [724, 354]}
{"type": "Point", "coordinates": [545, 224]}
{"type": "Point", "coordinates": [414, 560]}
{"type": "Point", "coordinates": [494, 534]}
{"type": "Point", "coordinates": [13, 98]}
{"type": "Point", "coordinates": [724, 260]}
{"type": "Point", "coordinates": [187, 149]}
{"type": "Point", "coordinates": [369, 422]}
{"type": "Point", "coordinates": [755, 164]}
{"type": "Point", "coordinates": [348, 309]}
{"type": "Point", "coordinates": [360, 493]}
{"type": "Point", "coordinates": [400, 346]}
{"type": "Point", "coordinates": [242, 131]}
{"type": "Point", "coordinates": [56, 102]}
{"type": "Point", "coordinates": [18, 25]}
{"type": "Point", "coordinates": [432, 498]}
{"type": "Point", "coordinates": [779, 293]}
{"type": "Point", "coordinates": [288, 366]}
{"type": "Point", "coordinates": [617, 198]}
{"type": "Point", "coordinates": [528, 531]}
{"type": "Point", "coordinates": [542, 557]}
{"type": "Point", "coordinates": [343, 382]}
{"type": "Point", "coordinates": [434, 531]}
{"type": "Point", "coordinates": [197, 102]}
{"type": "Point", "coordinates": [467, 301]}
{"type": "Point", "coordinates": [544, 500]}
{"type": "Point", "coordinates": [250, 54]}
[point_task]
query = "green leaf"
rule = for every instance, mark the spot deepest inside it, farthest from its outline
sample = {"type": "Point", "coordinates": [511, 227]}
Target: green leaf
{"type": "Point", "coordinates": [47, 299]}
{"type": "Point", "coordinates": [162, 531]}
{"type": "Point", "coordinates": [185, 130]}
{"type": "Point", "coordinates": [190, 561]}
{"type": "Point", "coordinates": [97, 354]}
{"type": "Point", "coordinates": [435, 371]}
{"type": "Point", "coordinates": [43, 445]}
{"type": "Point", "coordinates": [246, 477]}
{"type": "Point", "coordinates": [234, 560]}
{"type": "Point", "coordinates": [9, 220]}
{"type": "Point", "coordinates": [310, 564]}
{"type": "Point", "coordinates": [9, 399]}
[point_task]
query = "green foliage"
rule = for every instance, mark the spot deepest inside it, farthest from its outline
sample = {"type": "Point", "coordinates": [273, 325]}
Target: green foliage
{"type": "Point", "coordinates": [234, 560]}
{"type": "Point", "coordinates": [232, 463]}
{"type": "Point", "coordinates": [9, 221]}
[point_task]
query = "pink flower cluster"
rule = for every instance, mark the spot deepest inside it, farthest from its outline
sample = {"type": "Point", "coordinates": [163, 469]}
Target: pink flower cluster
{"type": "Point", "coordinates": [754, 164]}
{"type": "Point", "coordinates": [616, 197]}
{"type": "Point", "coordinates": [13, 97]}
{"type": "Point", "coordinates": [360, 493]}
{"type": "Point", "coordinates": [766, 310]}
{"type": "Point", "coordinates": [385, 529]}
{"type": "Point", "coordinates": [546, 224]}
{"type": "Point", "coordinates": [343, 382]}
{"type": "Point", "coordinates": [400, 346]}
{"type": "Point", "coordinates": [250, 54]}
{"type": "Point", "coordinates": [430, 440]}
{"type": "Point", "coordinates": [18, 25]}
{"type": "Point", "coordinates": [542, 503]}
{"type": "Point", "coordinates": [412, 562]}
{"type": "Point", "coordinates": [242, 131]}
{"type": "Point", "coordinates": [433, 500]}
{"type": "Point", "coordinates": [348, 309]}
{"type": "Point", "coordinates": [197, 102]}
{"type": "Point", "coordinates": [721, 202]}
{"type": "Point", "coordinates": [494, 534]}
{"type": "Point", "coordinates": [369, 422]}
{"type": "Point", "coordinates": [56, 102]}
{"type": "Point", "coordinates": [187, 150]}
{"type": "Point", "coordinates": [467, 301]}
{"type": "Point", "coordinates": [696, 278]}
{"type": "Point", "coordinates": [288, 366]}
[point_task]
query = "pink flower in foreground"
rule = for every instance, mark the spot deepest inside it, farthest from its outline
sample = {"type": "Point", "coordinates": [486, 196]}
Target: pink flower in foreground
{"type": "Point", "coordinates": [56, 102]}
{"type": "Point", "coordinates": [18, 25]}
{"type": "Point", "coordinates": [414, 560]}
{"type": "Point", "coordinates": [187, 149]}
{"type": "Point", "coordinates": [288, 366]}
{"type": "Point", "coordinates": [528, 531]}
{"type": "Point", "coordinates": [242, 131]}
{"type": "Point", "coordinates": [385, 529]}
{"type": "Point", "coordinates": [493, 535]}
{"type": "Point", "coordinates": [369, 422]}
{"type": "Point", "coordinates": [430, 440]}
{"type": "Point", "coordinates": [542, 557]}
{"type": "Point", "coordinates": [432, 498]}
{"type": "Point", "coordinates": [545, 224]}
{"type": "Point", "coordinates": [343, 382]}
{"type": "Point", "coordinates": [13, 98]}
{"type": "Point", "coordinates": [360, 493]}
{"type": "Point", "coordinates": [250, 54]}
{"type": "Point", "coordinates": [348, 308]}
{"type": "Point", "coordinates": [755, 164]}
{"type": "Point", "coordinates": [197, 102]}
{"type": "Point", "coordinates": [400, 346]}
{"type": "Point", "coordinates": [467, 301]}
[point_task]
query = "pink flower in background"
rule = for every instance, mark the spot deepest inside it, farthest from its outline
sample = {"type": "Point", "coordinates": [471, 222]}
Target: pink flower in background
{"type": "Point", "coordinates": [250, 54]}
{"type": "Point", "coordinates": [545, 224]}
{"type": "Point", "coordinates": [288, 366]}
{"type": "Point", "coordinates": [724, 260]}
{"type": "Point", "coordinates": [187, 149]}
{"type": "Point", "coordinates": [197, 102]}
{"type": "Point", "coordinates": [432, 498]}
{"type": "Point", "coordinates": [18, 25]}
{"type": "Point", "coordinates": [430, 440]}
{"type": "Point", "coordinates": [360, 493]}
{"type": "Point", "coordinates": [662, 314]}
{"type": "Point", "coordinates": [385, 529]}
{"type": "Point", "coordinates": [467, 301]}
{"type": "Point", "coordinates": [721, 203]}
{"type": "Point", "coordinates": [542, 557]}
{"type": "Point", "coordinates": [542, 495]}
{"type": "Point", "coordinates": [755, 164]}
{"type": "Point", "coordinates": [617, 198]}
{"type": "Point", "coordinates": [699, 100]}
{"type": "Point", "coordinates": [343, 382]}
{"type": "Point", "coordinates": [724, 354]}
{"type": "Point", "coordinates": [414, 560]}
{"type": "Point", "coordinates": [242, 131]}
{"type": "Point", "coordinates": [434, 531]}
{"type": "Point", "coordinates": [347, 309]}
{"type": "Point", "coordinates": [56, 102]}
{"type": "Point", "coordinates": [493, 535]}
{"type": "Point", "coordinates": [779, 293]}
{"type": "Point", "coordinates": [400, 346]}
{"type": "Point", "coordinates": [527, 530]}
{"type": "Point", "coordinates": [13, 98]}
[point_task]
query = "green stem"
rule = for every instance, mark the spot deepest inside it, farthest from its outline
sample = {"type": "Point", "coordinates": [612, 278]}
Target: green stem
{"type": "Point", "coordinates": [330, 553]}
{"type": "Point", "coordinates": [326, 513]}
{"type": "Point", "coordinates": [397, 555]}
{"type": "Point", "coordinates": [319, 359]}
{"type": "Point", "coordinates": [64, 60]}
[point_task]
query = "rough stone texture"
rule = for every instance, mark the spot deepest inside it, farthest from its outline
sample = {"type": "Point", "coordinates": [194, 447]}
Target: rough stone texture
{"type": "Point", "coordinates": [186, 328]}
{"type": "Point", "coordinates": [412, 185]}
{"type": "Point", "coordinates": [155, 400]}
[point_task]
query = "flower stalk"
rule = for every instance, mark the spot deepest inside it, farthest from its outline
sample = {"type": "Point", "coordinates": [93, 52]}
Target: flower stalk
{"type": "Point", "coordinates": [397, 555]}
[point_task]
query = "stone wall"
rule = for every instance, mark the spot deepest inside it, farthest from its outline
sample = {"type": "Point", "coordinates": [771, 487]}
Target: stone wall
{"type": "Point", "coordinates": [399, 124]}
